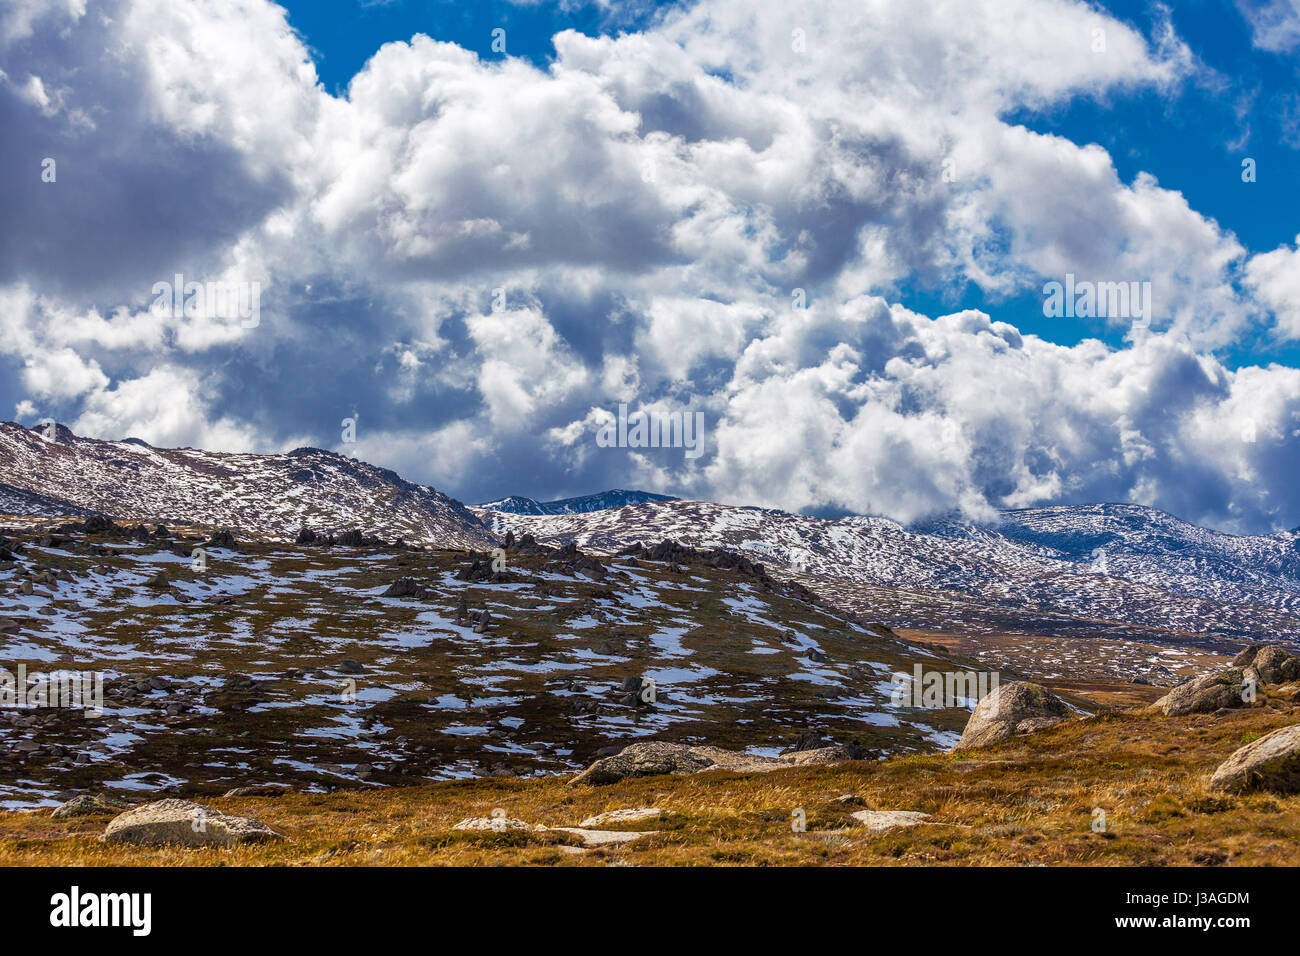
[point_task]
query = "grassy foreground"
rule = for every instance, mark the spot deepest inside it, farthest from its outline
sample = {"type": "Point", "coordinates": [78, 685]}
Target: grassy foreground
{"type": "Point", "coordinates": [1027, 801]}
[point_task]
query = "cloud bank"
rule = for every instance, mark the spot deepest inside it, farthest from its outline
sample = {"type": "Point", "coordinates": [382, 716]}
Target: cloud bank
{"type": "Point", "coordinates": [479, 259]}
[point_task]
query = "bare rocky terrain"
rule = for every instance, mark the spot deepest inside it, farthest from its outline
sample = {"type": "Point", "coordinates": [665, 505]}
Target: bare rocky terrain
{"type": "Point", "coordinates": [368, 663]}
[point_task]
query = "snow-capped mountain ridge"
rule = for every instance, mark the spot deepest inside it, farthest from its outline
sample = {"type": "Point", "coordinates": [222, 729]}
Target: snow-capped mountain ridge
{"type": "Point", "coordinates": [274, 495]}
{"type": "Point", "coordinates": [1065, 570]}
{"type": "Point", "coordinates": [1121, 565]}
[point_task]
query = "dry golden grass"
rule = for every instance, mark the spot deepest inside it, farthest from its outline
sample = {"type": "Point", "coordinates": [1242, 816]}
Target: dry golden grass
{"type": "Point", "coordinates": [1027, 801]}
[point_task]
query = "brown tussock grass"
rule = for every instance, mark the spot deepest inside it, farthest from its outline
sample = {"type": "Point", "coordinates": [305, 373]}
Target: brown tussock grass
{"type": "Point", "coordinates": [1024, 802]}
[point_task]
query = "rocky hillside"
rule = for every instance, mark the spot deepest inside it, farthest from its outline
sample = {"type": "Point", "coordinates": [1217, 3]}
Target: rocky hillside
{"type": "Point", "coordinates": [358, 662]}
{"type": "Point", "coordinates": [1105, 570]}
{"type": "Point", "coordinates": [20, 501]}
{"type": "Point", "coordinates": [272, 495]}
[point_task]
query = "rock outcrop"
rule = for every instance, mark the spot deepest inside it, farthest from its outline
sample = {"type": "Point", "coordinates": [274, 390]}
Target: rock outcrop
{"type": "Point", "coordinates": [184, 823]}
{"type": "Point", "coordinates": [653, 757]}
{"type": "Point", "coordinates": [1205, 694]}
{"type": "Point", "coordinates": [1273, 664]}
{"type": "Point", "coordinates": [1257, 666]}
{"type": "Point", "coordinates": [644, 760]}
{"type": "Point", "coordinates": [1270, 763]}
{"type": "Point", "coordinates": [835, 753]}
{"type": "Point", "coordinates": [405, 587]}
{"type": "Point", "coordinates": [1015, 708]}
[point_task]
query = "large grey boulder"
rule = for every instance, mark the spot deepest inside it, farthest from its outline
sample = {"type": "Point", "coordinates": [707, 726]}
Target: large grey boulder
{"type": "Point", "coordinates": [1204, 694]}
{"type": "Point", "coordinates": [888, 819]}
{"type": "Point", "coordinates": [630, 815]}
{"type": "Point", "coordinates": [645, 759]}
{"type": "Point", "coordinates": [1270, 763]}
{"type": "Point", "coordinates": [818, 756]}
{"type": "Point", "coordinates": [652, 757]}
{"type": "Point", "coordinates": [1015, 708]}
{"type": "Point", "coordinates": [183, 823]}
{"type": "Point", "coordinates": [497, 824]}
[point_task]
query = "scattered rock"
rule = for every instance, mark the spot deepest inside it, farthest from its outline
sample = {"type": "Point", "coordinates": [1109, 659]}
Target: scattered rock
{"type": "Point", "coordinates": [88, 804]}
{"type": "Point", "coordinates": [404, 587]}
{"type": "Point", "coordinates": [159, 581]}
{"type": "Point", "coordinates": [620, 816]}
{"type": "Point", "coordinates": [98, 524]}
{"type": "Point", "coordinates": [605, 837]}
{"type": "Point", "coordinates": [223, 539]}
{"type": "Point", "coordinates": [1270, 763]}
{"type": "Point", "coordinates": [261, 790]}
{"type": "Point", "coordinates": [496, 824]}
{"type": "Point", "coordinates": [807, 740]}
{"type": "Point", "coordinates": [1015, 708]}
{"type": "Point", "coordinates": [888, 819]}
{"type": "Point", "coordinates": [1288, 691]}
{"type": "Point", "coordinates": [635, 692]}
{"type": "Point", "coordinates": [184, 823]}
{"type": "Point", "coordinates": [349, 666]}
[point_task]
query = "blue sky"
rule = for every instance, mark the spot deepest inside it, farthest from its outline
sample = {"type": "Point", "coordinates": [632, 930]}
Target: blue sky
{"type": "Point", "coordinates": [344, 35]}
{"type": "Point", "coordinates": [735, 208]}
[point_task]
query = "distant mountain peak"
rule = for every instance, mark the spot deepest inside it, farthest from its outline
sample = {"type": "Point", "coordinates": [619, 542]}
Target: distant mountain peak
{"type": "Point", "coordinates": [58, 474]}
{"type": "Point", "coordinates": [47, 430]}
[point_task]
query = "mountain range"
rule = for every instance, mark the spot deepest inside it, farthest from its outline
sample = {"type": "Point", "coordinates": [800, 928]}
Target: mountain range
{"type": "Point", "coordinates": [1114, 570]}
{"type": "Point", "coordinates": [1107, 569]}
